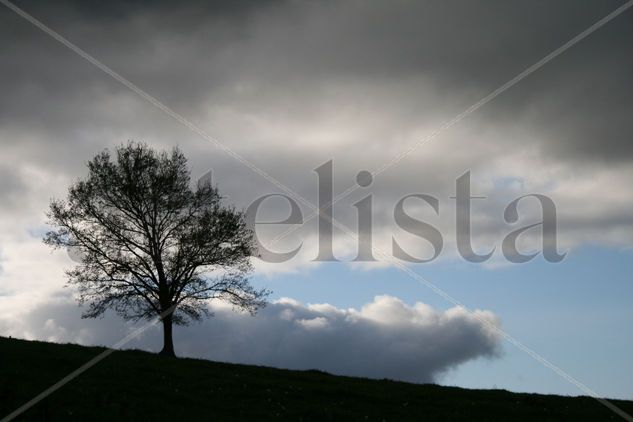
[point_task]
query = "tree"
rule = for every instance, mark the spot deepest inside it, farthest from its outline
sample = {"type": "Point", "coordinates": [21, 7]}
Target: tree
{"type": "Point", "coordinates": [149, 244]}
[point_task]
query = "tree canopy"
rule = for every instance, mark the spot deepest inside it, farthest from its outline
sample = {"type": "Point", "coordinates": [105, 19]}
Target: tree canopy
{"type": "Point", "coordinates": [150, 244]}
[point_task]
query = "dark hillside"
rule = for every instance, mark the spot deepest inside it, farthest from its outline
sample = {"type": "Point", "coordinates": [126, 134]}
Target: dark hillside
{"type": "Point", "coordinates": [137, 385]}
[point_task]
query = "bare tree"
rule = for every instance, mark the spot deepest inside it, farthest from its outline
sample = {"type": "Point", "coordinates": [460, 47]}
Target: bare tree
{"type": "Point", "coordinates": [149, 244]}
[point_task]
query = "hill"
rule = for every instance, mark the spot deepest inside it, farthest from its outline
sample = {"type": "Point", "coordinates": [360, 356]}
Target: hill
{"type": "Point", "coordinates": [143, 386]}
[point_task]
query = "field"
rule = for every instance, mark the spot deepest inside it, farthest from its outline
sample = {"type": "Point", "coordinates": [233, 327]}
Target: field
{"type": "Point", "coordinates": [142, 386]}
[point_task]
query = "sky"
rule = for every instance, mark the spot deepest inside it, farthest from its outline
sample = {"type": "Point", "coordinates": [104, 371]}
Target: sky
{"type": "Point", "coordinates": [293, 85]}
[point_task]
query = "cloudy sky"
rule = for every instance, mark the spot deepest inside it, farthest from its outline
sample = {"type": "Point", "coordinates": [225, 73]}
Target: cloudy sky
{"type": "Point", "coordinates": [290, 85]}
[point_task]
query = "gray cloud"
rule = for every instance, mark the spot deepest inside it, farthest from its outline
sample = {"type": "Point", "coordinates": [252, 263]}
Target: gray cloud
{"type": "Point", "coordinates": [292, 84]}
{"type": "Point", "coordinates": [384, 339]}
{"type": "Point", "coordinates": [12, 186]}
{"type": "Point", "coordinates": [302, 58]}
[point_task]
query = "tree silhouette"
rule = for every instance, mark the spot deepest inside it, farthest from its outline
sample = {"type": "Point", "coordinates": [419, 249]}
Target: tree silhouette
{"type": "Point", "coordinates": [149, 244]}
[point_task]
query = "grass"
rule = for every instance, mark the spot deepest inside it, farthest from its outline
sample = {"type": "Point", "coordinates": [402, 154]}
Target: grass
{"type": "Point", "coordinates": [135, 385]}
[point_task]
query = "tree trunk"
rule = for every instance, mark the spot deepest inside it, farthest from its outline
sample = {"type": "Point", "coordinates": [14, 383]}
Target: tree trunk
{"type": "Point", "coordinates": [168, 340]}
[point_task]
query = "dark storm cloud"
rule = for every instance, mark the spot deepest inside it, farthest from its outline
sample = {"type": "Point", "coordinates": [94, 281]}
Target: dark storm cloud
{"type": "Point", "coordinates": [301, 82]}
{"type": "Point", "coordinates": [283, 53]}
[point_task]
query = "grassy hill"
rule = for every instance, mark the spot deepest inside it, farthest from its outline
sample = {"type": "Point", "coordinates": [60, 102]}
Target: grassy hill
{"type": "Point", "coordinates": [142, 386]}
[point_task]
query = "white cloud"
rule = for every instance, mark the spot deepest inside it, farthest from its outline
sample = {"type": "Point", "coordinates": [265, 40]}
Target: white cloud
{"type": "Point", "coordinates": [384, 339]}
